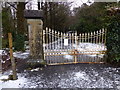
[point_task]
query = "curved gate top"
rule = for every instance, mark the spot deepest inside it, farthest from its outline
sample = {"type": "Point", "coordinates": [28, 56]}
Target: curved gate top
{"type": "Point", "coordinates": [71, 47]}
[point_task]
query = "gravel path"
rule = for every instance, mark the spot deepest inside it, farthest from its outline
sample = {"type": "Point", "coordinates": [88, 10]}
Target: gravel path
{"type": "Point", "coordinates": [73, 76]}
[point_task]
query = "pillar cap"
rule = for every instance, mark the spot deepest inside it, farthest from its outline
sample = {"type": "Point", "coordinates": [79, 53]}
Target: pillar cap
{"type": "Point", "coordinates": [33, 14]}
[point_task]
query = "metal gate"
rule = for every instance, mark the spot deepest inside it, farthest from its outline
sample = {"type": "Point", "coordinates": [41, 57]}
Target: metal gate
{"type": "Point", "coordinates": [71, 47]}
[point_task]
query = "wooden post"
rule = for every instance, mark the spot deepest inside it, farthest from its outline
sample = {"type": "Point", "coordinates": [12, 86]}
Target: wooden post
{"type": "Point", "coordinates": [0, 37]}
{"type": "Point", "coordinates": [11, 57]}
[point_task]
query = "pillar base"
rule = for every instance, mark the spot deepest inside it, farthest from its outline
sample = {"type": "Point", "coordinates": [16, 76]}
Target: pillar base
{"type": "Point", "coordinates": [36, 63]}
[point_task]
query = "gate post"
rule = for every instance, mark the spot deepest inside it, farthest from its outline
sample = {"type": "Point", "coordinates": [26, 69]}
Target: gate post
{"type": "Point", "coordinates": [34, 20]}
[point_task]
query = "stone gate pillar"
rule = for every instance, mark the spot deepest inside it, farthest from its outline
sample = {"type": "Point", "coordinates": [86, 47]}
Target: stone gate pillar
{"type": "Point", "coordinates": [35, 27]}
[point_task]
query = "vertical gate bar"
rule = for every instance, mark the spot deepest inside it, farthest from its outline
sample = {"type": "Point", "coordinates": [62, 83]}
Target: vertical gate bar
{"type": "Point", "coordinates": [55, 33]}
{"type": "Point", "coordinates": [94, 36]}
{"type": "Point", "coordinates": [72, 40]}
{"type": "Point", "coordinates": [91, 37]}
{"type": "Point", "coordinates": [85, 37]}
{"type": "Point", "coordinates": [49, 38]}
{"type": "Point", "coordinates": [44, 43]}
{"type": "Point", "coordinates": [80, 38]}
{"type": "Point", "coordinates": [97, 37]}
{"type": "Point", "coordinates": [61, 41]}
{"type": "Point", "coordinates": [88, 37]}
{"type": "Point", "coordinates": [68, 40]}
{"type": "Point", "coordinates": [81, 43]}
{"type": "Point", "coordinates": [55, 39]}
{"type": "Point", "coordinates": [76, 43]}
{"type": "Point", "coordinates": [88, 42]}
{"type": "Point", "coordinates": [75, 56]}
{"type": "Point", "coordinates": [64, 37]}
{"type": "Point", "coordinates": [47, 33]}
{"type": "Point", "coordinates": [52, 39]}
{"type": "Point", "coordinates": [58, 41]}
{"type": "Point", "coordinates": [103, 36]}
{"type": "Point", "coordinates": [95, 43]}
{"type": "Point", "coordinates": [50, 58]}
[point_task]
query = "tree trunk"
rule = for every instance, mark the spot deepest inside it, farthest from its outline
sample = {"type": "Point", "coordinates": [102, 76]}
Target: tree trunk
{"type": "Point", "coordinates": [20, 17]}
{"type": "Point", "coordinates": [21, 25]}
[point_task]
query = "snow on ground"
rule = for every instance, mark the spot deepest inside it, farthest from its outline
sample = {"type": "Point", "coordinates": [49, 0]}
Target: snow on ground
{"type": "Point", "coordinates": [3, 77]}
{"type": "Point", "coordinates": [12, 83]}
{"type": "Point", "coordinates": [80, 47]}
{"type": "Point", "coordinates": [21, 55]}
{"type": "Point", "coordinates": [91, 47]}
{"type": "Point", "coordinates": [37, 69]}
{"type": "Point", "coordinates": [76, 76]}
{"type": "Point", "coordinates": [70, 57]}
{"type": "Point", "coordinates": [87, 47]}
{"type": "Point", "coordinates": [1, 52]}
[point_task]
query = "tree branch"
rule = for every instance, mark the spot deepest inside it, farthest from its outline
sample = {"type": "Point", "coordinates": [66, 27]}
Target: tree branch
{"type": "Point", "coordinates": [11, 5]}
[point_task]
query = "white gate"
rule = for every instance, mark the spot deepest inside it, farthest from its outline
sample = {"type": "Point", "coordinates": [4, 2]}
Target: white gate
{"type": "Point", "coordinates": [71, 47]}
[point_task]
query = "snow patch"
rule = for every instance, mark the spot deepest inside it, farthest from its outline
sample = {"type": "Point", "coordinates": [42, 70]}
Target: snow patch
{"type": "Point", "coordinates": [21, 55]}
{"type": "Point", "coordinates": [1, 52]}
{"type": "Point", "coordinates": [19, 83]}
{"type": "Point", "coordinates": [4, 77]}
{"type": "Point", "coordinates": [67, 56]}
{"type": "Point", "coordinates": [81, 75]}
{"type": "Point", "coordinates": [81, 48]}
{"type": "Point", "coordinates": [37, 69]}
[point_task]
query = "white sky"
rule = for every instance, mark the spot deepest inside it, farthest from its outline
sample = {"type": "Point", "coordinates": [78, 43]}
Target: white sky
{"type": "Point", "coordinates": [76, 3]}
